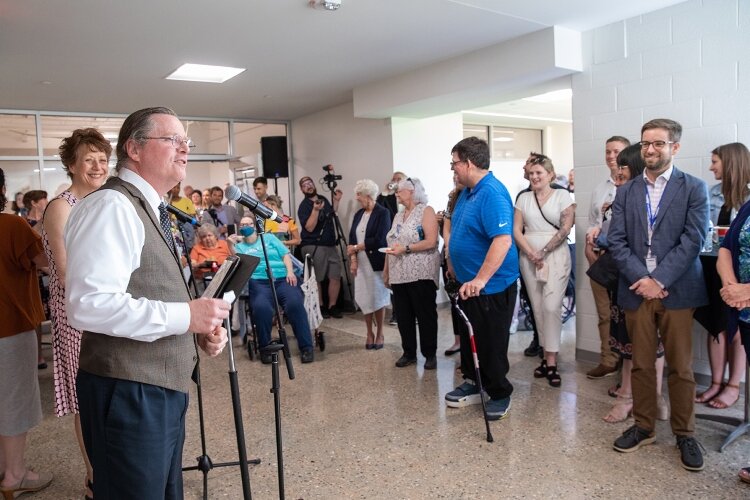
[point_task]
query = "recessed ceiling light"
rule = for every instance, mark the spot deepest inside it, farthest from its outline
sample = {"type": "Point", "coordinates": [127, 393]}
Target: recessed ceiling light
{"type": "Point", "coordinates": [204, 73]}
{"type": "Point", "coordinates": [555, 95]}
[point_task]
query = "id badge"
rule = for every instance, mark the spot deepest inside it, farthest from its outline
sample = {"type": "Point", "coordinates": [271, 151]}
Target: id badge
{"type": "Point", "coordinates": [650, 264]}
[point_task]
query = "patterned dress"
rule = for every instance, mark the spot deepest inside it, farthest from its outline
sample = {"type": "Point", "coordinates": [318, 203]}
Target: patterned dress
{"type": "Point", "coordinates": [66, 340]}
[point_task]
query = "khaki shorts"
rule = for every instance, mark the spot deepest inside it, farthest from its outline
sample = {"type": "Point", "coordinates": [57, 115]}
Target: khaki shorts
{"type": "Point", "coordinates": [326, 261]}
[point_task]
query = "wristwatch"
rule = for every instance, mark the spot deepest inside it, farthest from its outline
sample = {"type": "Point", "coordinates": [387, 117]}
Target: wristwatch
{"type": "Point", "coordinates": [408, 249]}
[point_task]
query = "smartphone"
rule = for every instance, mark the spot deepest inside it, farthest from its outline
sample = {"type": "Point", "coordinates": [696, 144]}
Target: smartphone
{"type": "Point", "coordinates": [231, 229]}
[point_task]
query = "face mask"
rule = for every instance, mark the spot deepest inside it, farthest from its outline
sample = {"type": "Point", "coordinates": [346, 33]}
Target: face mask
{"type": "Point", "coordinates": [247, 231]}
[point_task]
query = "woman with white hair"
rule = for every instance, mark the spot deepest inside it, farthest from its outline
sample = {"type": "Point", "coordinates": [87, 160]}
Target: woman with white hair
{"type": "Point", "coordinates": [412, 270]}
{"type": "Point", "coordinates": [367, 236]}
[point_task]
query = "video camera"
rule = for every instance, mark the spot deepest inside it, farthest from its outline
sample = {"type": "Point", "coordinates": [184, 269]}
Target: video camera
{"type": "Point", "coordinates": [330, 178]}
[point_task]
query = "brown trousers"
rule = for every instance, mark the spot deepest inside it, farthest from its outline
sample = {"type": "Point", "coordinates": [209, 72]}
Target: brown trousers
{"type": "Point", "coordinates": [604, 314]}
{"type": "Point", "coordinates": [645, 324]}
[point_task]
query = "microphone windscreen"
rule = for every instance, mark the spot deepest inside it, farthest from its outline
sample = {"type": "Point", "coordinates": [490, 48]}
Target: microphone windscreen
{"type": "Point", "coordinates": [233, 193]}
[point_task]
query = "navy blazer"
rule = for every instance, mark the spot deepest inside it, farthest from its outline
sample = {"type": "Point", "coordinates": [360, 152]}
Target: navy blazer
{"type": "Point", "coordinates": [679, 232]}
{"type": "Point", "coordinates": [377, 227]}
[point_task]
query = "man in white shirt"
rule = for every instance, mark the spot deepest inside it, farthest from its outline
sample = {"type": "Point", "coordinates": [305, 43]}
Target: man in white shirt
{"type": "Point", "coordinates": [125, 291]}
{"type": "Point", "coordinates": [603, 194]}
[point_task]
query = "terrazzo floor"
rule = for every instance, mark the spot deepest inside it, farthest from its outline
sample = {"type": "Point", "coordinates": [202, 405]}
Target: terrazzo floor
{"type": "Point", "coordinates": [354, 426]}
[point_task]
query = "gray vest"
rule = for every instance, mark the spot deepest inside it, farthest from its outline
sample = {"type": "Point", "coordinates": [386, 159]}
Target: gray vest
{"type": "Point", "coordinates": [169, 361]}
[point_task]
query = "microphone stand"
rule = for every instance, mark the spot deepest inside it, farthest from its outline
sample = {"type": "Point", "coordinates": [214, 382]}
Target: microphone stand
{"type": "Point", "coordinates": [205, 464]}
{"type": "Point", "coordinates": [273, 349]}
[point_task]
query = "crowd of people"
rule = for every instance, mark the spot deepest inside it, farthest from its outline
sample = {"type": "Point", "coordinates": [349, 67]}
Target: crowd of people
{"type": "Point", "coordinates": [130, 330]}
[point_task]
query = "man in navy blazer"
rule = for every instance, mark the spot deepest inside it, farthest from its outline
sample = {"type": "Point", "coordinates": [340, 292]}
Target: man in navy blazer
{"type": "Point", "coordinates": [659, 222]}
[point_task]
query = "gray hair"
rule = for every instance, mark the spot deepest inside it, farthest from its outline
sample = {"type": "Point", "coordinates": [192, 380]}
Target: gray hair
{"type": "Point", "coordinates": [366, 187]}
{"type": "Point", "coordinates": [137, 127]}
{"type": "Point", "coordinates": [205, 228]}
{"type": "Point", "coordinates": [414, 184]}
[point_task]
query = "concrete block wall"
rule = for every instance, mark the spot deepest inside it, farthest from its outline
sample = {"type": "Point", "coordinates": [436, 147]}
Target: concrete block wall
{"type": "Point", "coordinates": [689, 62]}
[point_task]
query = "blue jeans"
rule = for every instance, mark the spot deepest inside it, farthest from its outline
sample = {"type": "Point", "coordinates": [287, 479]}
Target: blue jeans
{"type": "Point", "coordinates": [291, 302]}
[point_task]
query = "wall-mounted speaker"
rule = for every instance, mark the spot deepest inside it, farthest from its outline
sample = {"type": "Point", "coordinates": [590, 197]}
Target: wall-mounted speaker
{"type": "Point", "coordinates": [275, 158]}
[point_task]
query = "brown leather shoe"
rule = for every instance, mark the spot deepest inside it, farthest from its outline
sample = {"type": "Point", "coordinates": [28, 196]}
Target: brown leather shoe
{"type": "Point", "coordinates": [601, 371]}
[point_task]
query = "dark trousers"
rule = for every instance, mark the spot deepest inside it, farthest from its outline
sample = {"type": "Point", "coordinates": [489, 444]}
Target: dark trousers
{"type": "Point", "coordinates": [417, 300]}
{"type": "Point", "coordinates": [490, 317]}
{"type": "Point", "coordinates": [291, 301]}
{"type": "Point", "coordinates": [133, 434]}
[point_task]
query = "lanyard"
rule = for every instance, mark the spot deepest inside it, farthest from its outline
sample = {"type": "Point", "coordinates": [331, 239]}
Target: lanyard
{"type": "Point", "coordinates": [652, 215]}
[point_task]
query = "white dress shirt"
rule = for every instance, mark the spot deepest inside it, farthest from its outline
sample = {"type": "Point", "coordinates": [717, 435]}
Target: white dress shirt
{"type": "Point", "coordinates": [104, 238]}
{"type": "Point", "coordinates": [603, 193]}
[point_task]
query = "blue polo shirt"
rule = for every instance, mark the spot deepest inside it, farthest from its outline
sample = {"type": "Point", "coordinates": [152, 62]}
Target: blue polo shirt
{"type": "Point", "coordinates": [481, 214]}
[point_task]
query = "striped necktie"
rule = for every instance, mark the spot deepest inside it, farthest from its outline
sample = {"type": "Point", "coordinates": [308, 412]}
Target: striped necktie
{"type": "Point", "coordinates": [166, 225]}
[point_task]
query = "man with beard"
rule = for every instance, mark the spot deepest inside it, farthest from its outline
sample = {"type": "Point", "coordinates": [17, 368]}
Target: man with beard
{"type": "Point", "coordinates": [659, 222]}
{"type": "Point", "coordinates": [315, 215]}
{"type": "Point", "coordinates": [222, 215]}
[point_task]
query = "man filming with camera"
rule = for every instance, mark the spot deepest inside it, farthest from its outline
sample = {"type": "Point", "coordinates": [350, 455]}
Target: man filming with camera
{"type": "Point", "coordinates": [315, 214]}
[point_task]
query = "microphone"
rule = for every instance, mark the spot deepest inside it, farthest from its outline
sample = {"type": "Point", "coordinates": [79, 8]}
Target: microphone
{"type": "Point", "coordinates": [234, 193]}
{"type": "Point", "coordinates": [182, 216]}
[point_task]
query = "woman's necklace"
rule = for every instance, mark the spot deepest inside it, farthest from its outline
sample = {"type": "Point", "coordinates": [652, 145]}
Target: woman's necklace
{"type": "Point", "coordinates": [542, 197]}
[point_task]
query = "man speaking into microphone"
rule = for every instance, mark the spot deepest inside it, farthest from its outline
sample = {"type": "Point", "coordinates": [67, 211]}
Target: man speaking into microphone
{"type": "Point", "coordinates": [126, 292]}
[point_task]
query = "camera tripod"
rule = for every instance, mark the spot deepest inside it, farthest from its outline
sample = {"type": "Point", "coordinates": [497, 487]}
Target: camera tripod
{"type": "Point", "coordinates": [340, 243]}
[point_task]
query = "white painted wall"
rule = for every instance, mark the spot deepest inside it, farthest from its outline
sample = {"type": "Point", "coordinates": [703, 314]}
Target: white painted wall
{"type": "Point", "coordinates": [358, 148]}
{"type": "Point", "coordinates": [422, 149]}
{"type": "Point", "coordinates": [688, 62]}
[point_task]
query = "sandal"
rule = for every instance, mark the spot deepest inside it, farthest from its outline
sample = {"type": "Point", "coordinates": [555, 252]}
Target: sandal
{"type": "Point", "coordinates": [541, 370]}
{"type": "Point", "coordinates": [709, 393]}
{"type": "Point", "coordinates": [614, 391]}
{"type": "Point", "coordinates": [620, 411]}
{"type": "Point", "coordinates": [553, 377]}
{"type": "Point", "coordinates": [90, 487]}
{"type": "Point", "coordinates": [721, 404]}
{"type": "Point", "coordinates": [744, 474]}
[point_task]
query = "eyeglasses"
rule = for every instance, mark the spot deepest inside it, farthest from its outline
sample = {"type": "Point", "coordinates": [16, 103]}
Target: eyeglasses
{"type": "Point", "coordinates": [656, 144]}
{"type": "Point", "coordinates": [247, 225]}
{"type": "Point", "coordinates": [454, 163]}
{"type": "Point", "coordinates": [176, 141]}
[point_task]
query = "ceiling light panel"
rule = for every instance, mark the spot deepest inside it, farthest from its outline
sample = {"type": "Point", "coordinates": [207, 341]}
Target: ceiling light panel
{"type": "Point", "coordinates": [204, 73]}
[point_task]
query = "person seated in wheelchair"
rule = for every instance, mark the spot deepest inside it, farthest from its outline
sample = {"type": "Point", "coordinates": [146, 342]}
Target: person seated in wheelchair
{"type": "Point", "coordinates": [285, 282]}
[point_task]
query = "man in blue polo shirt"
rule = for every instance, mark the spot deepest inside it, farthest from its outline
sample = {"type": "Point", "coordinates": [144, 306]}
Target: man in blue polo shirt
{"type": "Point", "coordinates": [485, 260]}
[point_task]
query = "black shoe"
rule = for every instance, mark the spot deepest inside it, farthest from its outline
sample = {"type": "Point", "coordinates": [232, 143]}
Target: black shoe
{"type": "Point", "coordinates": [334, 311]}
{"type": "Point", "coordinates": [451, 352]}
{"type": "Point", "coordinates": [307, 356]}
{"type": "Point", "coordinates": [235, 332]}
{"type": "Point", "coordinates": [430, 363]}
{"type": "Point", "coordinates": [634, 438]}
{"type": "Point", "coordinates": [405, 361]}
{"type": "Point", "coordinates": [325, 312]}
{"type": "Point", "coordinates": [534, 349]}
{"type": "Point", "coordinates": [690, 453]}
{"type": "Point", "coordinates": [266, 359]}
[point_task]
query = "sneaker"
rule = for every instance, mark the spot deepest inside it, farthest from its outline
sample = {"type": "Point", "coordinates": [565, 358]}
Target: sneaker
{"type": "Point", "coordinates": [430, 363]}
{"type": "Point", "coordinates": [393, 321]}
{"type": "Point", "coordinates": [308, 356]}
{"type": "Point", "coordinates": [405, 361]}
{"type": "Point", "coordinates": [334, 312]}
{"type": "Point", "coordinates": [601, 371]}
{"type": "Point", "coordinates": [690, 453]}
{"type": "Point", "coordinates": [633, 438]}
{"type": "Point", "coordinates": [464, 395]}
{"type": "Point", "coordinates": [497, 409]}
{"type": "Point", "coordinates": [534, 349]}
